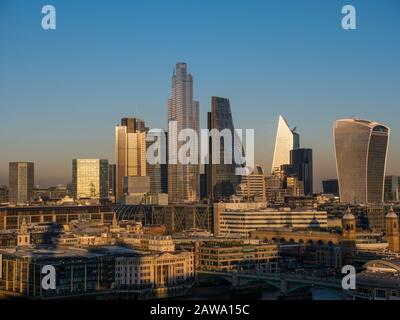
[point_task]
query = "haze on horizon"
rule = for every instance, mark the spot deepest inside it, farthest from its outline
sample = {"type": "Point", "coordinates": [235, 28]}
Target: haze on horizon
{"type": "Point", "coordinates": [62, 92]}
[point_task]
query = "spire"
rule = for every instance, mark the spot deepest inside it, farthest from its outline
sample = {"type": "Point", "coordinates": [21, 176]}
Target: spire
{"type": "Point", "coordinates": [114, 221]}
{"type": "Point", "coordinates": [24, 227]}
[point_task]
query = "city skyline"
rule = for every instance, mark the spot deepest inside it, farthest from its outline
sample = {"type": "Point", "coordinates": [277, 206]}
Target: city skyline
{"type": "Point", "coordinates": [71, 104]}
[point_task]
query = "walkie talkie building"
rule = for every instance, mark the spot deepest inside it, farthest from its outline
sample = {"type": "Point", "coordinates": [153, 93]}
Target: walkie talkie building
{"type": "Point", "coordinates": [361, 151]}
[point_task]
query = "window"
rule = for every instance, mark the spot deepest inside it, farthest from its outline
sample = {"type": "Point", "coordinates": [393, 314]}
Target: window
{"type": "Point", "coordinates": [379, 293]}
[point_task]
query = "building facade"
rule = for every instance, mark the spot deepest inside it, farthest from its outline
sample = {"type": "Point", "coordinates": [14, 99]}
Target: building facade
{"type": "Point", "coordinates": [252, 186]}
{"type": "Point", "coordinates": [130, 152]}
{"type": "Point", "coordinates": [392, 184]}
{"type": "Point", "coordinates": [360, 149]}
{"type": "Point", "coordinates": [240, 219]}
{"type": "Point", "coordinates": [331, 186]}
{"type": "Point", "coordinates": [221, 177]}
{"type": "Point", "coordinates": [90, 178]}
{"type": "Point", "coordinates": [21, 182]}
{"type": "Point", "coordinates": [286, 140]}
{"type": "Point", "coordinates": [302, 159]}
{"type": "Point", "coordinates": [183, 179]}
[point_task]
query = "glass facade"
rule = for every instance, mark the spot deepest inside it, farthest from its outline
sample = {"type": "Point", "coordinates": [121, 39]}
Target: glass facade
{"type": "Point", "coordinates": [360, 150]}
{"type": "Point", "coordinates": [221, 178]}
{"type": "Point", "coordinates": [302, 159]}
{"type": "Point", "coordinates": [90, 178]}
{"type": "Point", "coordinates": [183, 179]}
{"type": "Point", "coordinates": [286, 140]}
{"type": "Point", "coordinates": [392, 184]}
{"type": "Point", "coordinates": [130, 152]}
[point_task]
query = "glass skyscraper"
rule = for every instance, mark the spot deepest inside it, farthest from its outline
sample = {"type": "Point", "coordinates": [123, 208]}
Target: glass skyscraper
{"type": "Point", "coordinates": [130, 152]}
{"type": "Point", "coordinates": [21, 182]}
{"type": "Point", "coordinates": [302, 159]}
{"type": "Point", "coordinates": [286, 140]}
{"type": "Point", "coordinates": [90, 178]}
{"type": "Point", "coordinates": [392, 187]}
{"type": "Point", "coordinates": [183, 179]}
{"type": "Point", "coordinates": [221, 178]}
{"type": "Point", "coordinates": [361, 149]}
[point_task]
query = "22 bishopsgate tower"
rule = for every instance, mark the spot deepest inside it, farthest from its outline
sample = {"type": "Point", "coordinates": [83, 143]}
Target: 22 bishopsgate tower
{"type": "Point", "coordinates": [361, 150]}
{"type": "Point", "coordinates": [183, 179]}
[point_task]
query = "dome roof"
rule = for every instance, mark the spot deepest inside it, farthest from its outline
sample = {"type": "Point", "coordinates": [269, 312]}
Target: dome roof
{"type": "Point", "coordinates": [391, 213]}
{"type": "Point", "coordinates": [348, 215]}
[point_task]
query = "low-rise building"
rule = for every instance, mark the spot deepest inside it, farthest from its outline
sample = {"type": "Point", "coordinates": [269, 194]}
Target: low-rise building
{"type": "Point", "coordinates": [237, 255]}
{"type": "Point", "coordinates": [239, 219]}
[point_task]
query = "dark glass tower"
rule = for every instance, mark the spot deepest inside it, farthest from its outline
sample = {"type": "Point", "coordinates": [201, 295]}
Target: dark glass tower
{"type": "Point", "coordinates": [221, 178]}
{"type": "Point", "coordinates": [302, 159]}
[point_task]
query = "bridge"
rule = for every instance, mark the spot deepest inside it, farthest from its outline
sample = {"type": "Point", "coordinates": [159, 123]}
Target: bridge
{"type": "Point", "coordinates": [286, 283]}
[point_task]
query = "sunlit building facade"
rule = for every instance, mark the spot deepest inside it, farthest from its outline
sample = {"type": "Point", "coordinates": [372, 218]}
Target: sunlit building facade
{"type": "Point", "coordinates": [361, 150]}
{"type": "Point", "coordinates": [252, 186]}
{"type": "Point", "coordinates": [90, 178]}
{"type": "Point", "coordinates": [286, 140]}
{"type": "Point", "coordinates": [183, 179]}
{"type": "Point", "coordinates": [130, 152]}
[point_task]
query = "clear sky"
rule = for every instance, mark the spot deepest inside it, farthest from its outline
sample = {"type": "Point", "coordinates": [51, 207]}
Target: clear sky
{"type": "Point", "coordinates": [63, 91]}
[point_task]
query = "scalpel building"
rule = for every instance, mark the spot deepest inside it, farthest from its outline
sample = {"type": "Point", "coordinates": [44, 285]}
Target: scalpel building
{"type": "Point", "coordinates": [361, 151]}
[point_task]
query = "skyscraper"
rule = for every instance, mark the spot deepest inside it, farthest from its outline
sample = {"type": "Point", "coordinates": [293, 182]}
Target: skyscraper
{"type": "Point", "coordinates": [392, 187]}
{"type": "Point", "coordinates": [90, 178]}
{"type": "Point", "coordinates": [302, 159]}
{"type": "Point", "coordinates": [221, 178]}
{"type": "Point", "coordinates": [331, 186]}
{"type": "Point", "coordinates": [360, 150]}
{"type": "Point", "coordinates": [286, 140]}
{"type": "Point", "coordinates": [21, 182]}
{"type": "Point", "coordinates": [112, 182]}
{"type": "Point", "coordinates": [183, 179]}
{"type": "Point", "coordinates": [130, 152]}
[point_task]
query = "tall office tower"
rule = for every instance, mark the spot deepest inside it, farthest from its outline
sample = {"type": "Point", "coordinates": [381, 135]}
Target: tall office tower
{"type": "Point", "coordinates": [360, 149]}
{"type": "Point", "coordinates": [331, 186]}
{"type": "Point", "coordinates": [130, 152]}
{"type": "Point", "coordinates": [302, 159]}
{"type": "Point", "coordinates": [286, 140]}
{"type": "Point", "coordinates": [112, 182]}
{"type": "Point", "coordinates": [221, 178]}
{"type": "Point", "coordinates": [21, 182]}
{"type": "Point", "coordinates": [392, 184]}
{"type": "Point", "coordinates": [90, 178]}
{"type": "Point", "coordinates": [183, 179]}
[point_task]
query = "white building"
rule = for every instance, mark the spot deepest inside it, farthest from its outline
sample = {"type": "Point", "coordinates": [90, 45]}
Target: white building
{"type": "Point", "coordinates": [230, 220]}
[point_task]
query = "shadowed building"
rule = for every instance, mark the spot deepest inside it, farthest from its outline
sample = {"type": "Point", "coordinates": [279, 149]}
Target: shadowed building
{"type": "Point", "coordinates": [331, 186]}
{"type": "Point", "coordinates": [21, 181]}
{"type": "Point", "coordinates": [221, 177]}
{"type": "Point", "coordinates": [392, 188]}
{"type": "Point", "coordinates": [360, 150]}
{"type": "Point", "coordinates": [302, 159]}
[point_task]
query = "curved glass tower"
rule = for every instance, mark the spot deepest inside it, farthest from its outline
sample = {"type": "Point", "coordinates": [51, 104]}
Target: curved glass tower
{"type": "Point", "coordinates": [360, 151]}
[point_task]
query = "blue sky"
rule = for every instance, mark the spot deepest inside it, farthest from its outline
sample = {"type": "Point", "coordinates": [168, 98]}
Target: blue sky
{"type": "Point", "coordinates": [63, 91]}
